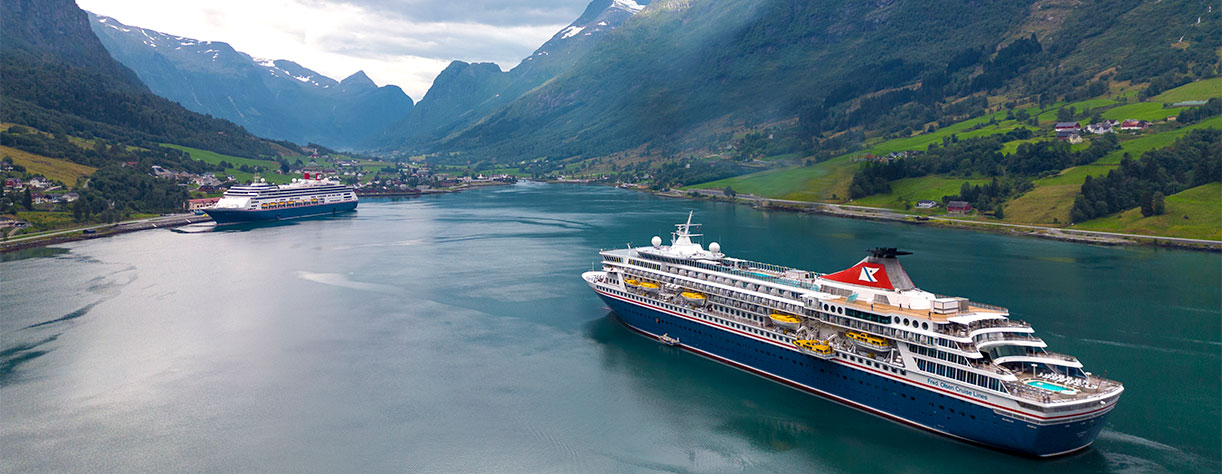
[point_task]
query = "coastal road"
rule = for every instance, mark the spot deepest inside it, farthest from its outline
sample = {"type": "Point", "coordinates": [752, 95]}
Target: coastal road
{"type": "Point", "coordinates": [891, 214]}
{"type": "Point", "coordinates": [174, 219]}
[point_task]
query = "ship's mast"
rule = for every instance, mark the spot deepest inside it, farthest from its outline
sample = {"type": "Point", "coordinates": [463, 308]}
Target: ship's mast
{"type": "Point", "coordinates": [683, 235]}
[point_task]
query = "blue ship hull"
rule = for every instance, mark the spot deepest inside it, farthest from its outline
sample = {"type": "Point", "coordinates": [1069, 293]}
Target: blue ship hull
{"type": "Point", "coordinates": [862, 387]}
{"type": "Point", "coordinates": [230, 216]}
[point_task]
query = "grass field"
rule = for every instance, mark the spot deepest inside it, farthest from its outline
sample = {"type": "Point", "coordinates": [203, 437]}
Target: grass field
{"type": "Point", "coordinates": [1199, 90]}
{"type": "Point", "coordinates": [910, 190]}
{"type": "Point", "coordinates": [1050, 114]}
{"type": "Point", "coordinates": [1152, 111]}
{"type": "Point", "coordinates": [1194, 213]}
{"type": "Point", "coordinates": [820, 181]}
{"type": "Point", "coordinates": [215, 158]}
{"type": "Point", "coordinates": [63, 171]}
{"type": "Point", "coordinates": [42, 221]}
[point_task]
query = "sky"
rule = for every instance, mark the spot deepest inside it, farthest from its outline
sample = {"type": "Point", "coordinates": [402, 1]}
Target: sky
{"type": "Point", "coordinates": [401, 42]}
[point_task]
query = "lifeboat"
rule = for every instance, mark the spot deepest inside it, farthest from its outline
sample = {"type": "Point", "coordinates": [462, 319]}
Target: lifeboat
{"type": "Point", "coordinates": [786, 321]}
{"type": "Point", "coordinates": [696, 299]}
{"type": "Point", "coordinates": [648, 287]}
{"type": "Point", "coordinates": [820, 349]}
{"type": "Point", "coordinates": [869, 341]}
{"type": "Point", "coordinates": [632, 283]}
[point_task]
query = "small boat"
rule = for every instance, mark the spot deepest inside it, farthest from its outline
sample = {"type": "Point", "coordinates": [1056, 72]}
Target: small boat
{"type": "Point", "coordinates": [648, 287]}
{"type": "Point", "coordinates": [631, 282]}
{"type": "Point", "coordinates": [670, 341]}
{"type": "Point", "coordinates": [195, 228]}
{"type": "Point", "coordinates": [787, 321]}
{"type": "Point", "coordinates": [696, 299]}
{"type": "Point", "coordinates": [820, 349]}
{"type": "Point", "coordinates": [869, 341]}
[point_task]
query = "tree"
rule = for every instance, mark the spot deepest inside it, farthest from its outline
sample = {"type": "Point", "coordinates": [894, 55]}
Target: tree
{"type": "Point", "coordinates": [729, 191]}
{"type": "Point", "coordinates": [27, 200]}
{"type": "Point", "coordinates": [999, 213]}
{"type": "Point", "coordinates": [1159, 203]}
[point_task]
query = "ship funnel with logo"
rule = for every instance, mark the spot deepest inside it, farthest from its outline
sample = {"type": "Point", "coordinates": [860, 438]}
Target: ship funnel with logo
{"type": "Point", "coordinates": [881, 269]}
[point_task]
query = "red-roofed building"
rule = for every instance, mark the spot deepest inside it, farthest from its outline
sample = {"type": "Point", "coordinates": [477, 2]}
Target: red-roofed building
{"type": "Point", "coordinates": [204, 203]}
{"type": "Point", "coordinates": [958, 207]}
{"type": "Point", "coordinates": [1133, 125]}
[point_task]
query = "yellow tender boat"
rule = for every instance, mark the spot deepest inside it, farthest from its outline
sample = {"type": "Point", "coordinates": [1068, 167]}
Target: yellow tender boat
{"type": "Point", "coordinates": [819, 349]}
{"type": "Point", "coordinates": [696, 299]}
{"type": "Point", "coordinates": [786, 321]}
{"type": "Point", "coordinates": [648, 287]}
{"type": "Point", "coordinates": [869, 341]}
{"type": "Point", "coordinates": [631, 282]}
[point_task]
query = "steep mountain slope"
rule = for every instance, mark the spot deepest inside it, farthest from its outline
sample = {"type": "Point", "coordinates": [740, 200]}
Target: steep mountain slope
{"type": "Point", "coordinates": [682, 73]}
{"type": "Point", "coordinates": [464, 93]}
{"type": "Point", "coordinates": [279, 99]}
{"type": "Point", "coordinates": [58, 77]}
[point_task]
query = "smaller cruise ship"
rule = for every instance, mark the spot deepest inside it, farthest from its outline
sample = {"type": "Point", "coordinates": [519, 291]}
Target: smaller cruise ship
{"type": "Point", "coordinates": [260, 201]}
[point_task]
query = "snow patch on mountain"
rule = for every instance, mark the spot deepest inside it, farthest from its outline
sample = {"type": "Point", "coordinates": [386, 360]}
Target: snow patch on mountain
{"type": "Point", "coordinates": [571, 31]}
{"type": "Point", "coordinates": [627, 5]}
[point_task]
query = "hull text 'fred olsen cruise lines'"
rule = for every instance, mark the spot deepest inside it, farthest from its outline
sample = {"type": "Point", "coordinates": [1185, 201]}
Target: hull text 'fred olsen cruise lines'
{"type": "Point", "coordinates": [865, 337]}
{"type": "Point", "coordinates": [260, 201]}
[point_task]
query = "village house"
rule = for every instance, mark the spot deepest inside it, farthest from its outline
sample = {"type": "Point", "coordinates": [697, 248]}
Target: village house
{"type": "Point", "coordinates": [1133, 125]}
{"type": "Point", "coordinates": [1101, 128]}
{"type": "Point", "coordinates": [958, 207]}
{"type": "Point", "coordinates": [39, 182]}
{"type": "Point", "coordinates": [1071, 135]}
{"type": "Point", "coordinates": [12, 182]}
{"type": "Point", "coordinates": [1068, 126]}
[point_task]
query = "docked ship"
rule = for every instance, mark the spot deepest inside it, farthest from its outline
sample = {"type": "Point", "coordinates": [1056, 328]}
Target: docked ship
{"type": "Point", "coordinates": [260, 201]}
{"type": "Point", "coordinates": [865, 337]}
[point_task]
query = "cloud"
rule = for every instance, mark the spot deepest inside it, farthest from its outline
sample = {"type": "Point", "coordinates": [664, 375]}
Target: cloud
{"type": "Point", "coordinates": [401, 42]}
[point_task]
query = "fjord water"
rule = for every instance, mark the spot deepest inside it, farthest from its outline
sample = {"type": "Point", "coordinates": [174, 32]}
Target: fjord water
{"type": "Point", "coordinates": [454, 334]}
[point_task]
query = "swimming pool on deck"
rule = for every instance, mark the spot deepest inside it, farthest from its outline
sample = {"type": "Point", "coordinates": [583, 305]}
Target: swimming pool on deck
{"type": "Point", "coordinates": [1047, 386]}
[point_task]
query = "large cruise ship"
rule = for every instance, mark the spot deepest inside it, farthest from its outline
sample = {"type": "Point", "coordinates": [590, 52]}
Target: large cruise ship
{"type": "Point", "coordinates": [866, 337]}
{"type": "Point", "coordinates": [261, 201]}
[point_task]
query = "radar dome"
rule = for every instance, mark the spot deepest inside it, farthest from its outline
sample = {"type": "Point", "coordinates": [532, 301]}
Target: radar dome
{"type": "Point", "coordinates": [715, 247]}
{"type": "Point", "coordinates": [656, 241]}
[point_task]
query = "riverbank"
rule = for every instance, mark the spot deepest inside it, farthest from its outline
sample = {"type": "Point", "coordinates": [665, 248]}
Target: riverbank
{"type": "Point", "coordinates": [883, 214]}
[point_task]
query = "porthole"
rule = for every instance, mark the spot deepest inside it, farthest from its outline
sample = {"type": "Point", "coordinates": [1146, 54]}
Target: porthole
{"type": "Point", "coordinates": [924, 325]}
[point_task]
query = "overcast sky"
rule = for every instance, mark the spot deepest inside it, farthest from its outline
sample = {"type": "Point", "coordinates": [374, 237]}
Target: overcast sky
{"type": "Point", "coordinates": [400, 42]}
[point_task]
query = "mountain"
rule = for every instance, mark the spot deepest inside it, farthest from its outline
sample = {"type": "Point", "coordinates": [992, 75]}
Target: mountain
{"type": "Point", "coordinates": [464, 93]}
{"type": "Point", "coordinates": [685, 75]}
{"type": "Point", "coordinates": [278, 99]}
{"type": "Point", "coordinates": [58, 77]}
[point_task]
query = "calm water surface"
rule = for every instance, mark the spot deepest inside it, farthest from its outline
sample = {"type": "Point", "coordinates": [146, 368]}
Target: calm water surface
{"type": "Point", "coordinates": [454, 334]}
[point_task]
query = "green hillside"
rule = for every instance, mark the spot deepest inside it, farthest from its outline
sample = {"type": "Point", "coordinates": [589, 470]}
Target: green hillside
{"type": "Point", "coordinates": [1194, 213]}
{"type": "Point", "coordinates": [1199, 90]}
{"type": "Point", "coordinates": [1051, 196]}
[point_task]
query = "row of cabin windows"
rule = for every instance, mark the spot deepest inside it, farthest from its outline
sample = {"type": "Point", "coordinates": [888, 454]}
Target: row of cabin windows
{"type": "Point", "coordinates": [960, 375]}
{"type": "Point", "coordinates": [715, 319]}
{"type": "Point", "coordinates": [937, 354]}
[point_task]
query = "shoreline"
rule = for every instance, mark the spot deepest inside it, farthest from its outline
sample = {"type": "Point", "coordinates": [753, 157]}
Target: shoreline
{"type": "Point", "coordinates": [100, 231]}
{"type": "Point", "coordinates": [834, 210]}
{"type": "Point", "coordinates": [61, 236]}
{"type": "Point", "coordinates": [1022, 230]}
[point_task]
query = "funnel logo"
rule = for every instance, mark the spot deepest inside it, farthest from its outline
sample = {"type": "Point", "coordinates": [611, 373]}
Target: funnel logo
{"type": "Point", "coordinates": [867, 274]}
